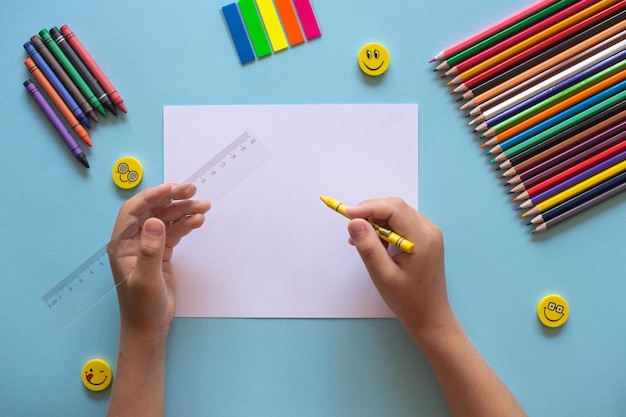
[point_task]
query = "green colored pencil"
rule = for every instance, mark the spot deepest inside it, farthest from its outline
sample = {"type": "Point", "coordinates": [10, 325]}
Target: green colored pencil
{"type": "Point", "coordinates": [514, 150]}
{"type": "Point", "coordinates": [511, 30]}
{"type": "Point", "coordinates": [587, 82]}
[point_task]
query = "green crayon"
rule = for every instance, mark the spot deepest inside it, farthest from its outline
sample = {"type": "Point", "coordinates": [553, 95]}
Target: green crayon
{"type": "Point", "coordinates": [71, 71]}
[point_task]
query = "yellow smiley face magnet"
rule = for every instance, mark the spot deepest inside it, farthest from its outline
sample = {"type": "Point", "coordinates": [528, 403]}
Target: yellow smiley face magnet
{"type": "Point", "coordinates": [373, 59]}
{"type": "Point", "coordinates": [96, 375]}
{"type": "Point", "coordinates": [127, 172]}
{"type": "Point", "coordinates": [553, 310]}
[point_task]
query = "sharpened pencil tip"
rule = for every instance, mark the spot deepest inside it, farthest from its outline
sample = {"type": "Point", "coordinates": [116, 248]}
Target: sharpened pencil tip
{"type": "Point", "coordinates": [458, 99]}
{"type": "Point", "coordinates": [519, 208]}
{"type": "Point", "coordinates": [529, 223]}
{"type": "Point", "coordinates": [432, 60]}
{"type": "Point", "coordinates": [452, 92]}
{"type": "Point", "coordinates": [489, 153]}
{"type": "Point", "coordinates": [443, 76]}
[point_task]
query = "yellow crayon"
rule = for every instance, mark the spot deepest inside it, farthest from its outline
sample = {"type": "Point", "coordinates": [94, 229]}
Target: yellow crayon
{"type": "Point", "coordinates": [385, 234]}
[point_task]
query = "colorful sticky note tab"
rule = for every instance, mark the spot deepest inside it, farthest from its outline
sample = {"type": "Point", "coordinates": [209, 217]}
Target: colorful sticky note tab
{"type": "Point", "coordinates": [238, 33]}
{"type": "Point", "coordinates": [258, 26]}
{"type": "Point", "coordinates": [272, 25]}
{"type": "Point", "coordinates": [290, 21]}
{"type": "Point", "coordinates": [307, 18]}
{"type": "Point", "coordinates": [255, 27]}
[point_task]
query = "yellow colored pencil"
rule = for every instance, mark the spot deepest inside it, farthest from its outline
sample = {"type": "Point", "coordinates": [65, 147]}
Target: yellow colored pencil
{"type": "Point", "coordinates": [385, 234]}
{"type": "Point", "coordinates": [576, 189]}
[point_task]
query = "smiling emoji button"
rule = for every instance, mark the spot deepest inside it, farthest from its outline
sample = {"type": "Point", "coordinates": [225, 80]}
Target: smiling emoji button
{"type": "Point", "coordinates": [553, 310]}
{"type": "Point", "coordinates": [97, 375]}
{"type": "Point", "coordinates": [373, 59]}
{"type": "Point", "coordinates": [127, 172]}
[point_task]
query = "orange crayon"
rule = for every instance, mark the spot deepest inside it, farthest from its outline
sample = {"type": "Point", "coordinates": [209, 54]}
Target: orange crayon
{"type": "Point", "coordinates": [58, 101]}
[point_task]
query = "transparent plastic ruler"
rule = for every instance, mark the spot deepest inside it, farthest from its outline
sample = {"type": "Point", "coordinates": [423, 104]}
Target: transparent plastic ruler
{"type": "Point", "coordinates": [92, 280]}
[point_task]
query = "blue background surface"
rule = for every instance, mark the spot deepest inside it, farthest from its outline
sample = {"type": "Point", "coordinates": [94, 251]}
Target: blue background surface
{"type": "Point", "coordinates": [54, 214]}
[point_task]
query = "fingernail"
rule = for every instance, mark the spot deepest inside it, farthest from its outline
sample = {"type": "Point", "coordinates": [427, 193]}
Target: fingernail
{"type": "Point", "coordinates": [153, 228]}
{"type": "Point", "coordinates": [357, 228]}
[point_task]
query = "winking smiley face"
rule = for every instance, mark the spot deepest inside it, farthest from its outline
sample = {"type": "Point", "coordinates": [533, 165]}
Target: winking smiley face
{"type": "Point", "coordinates": [96, 375]}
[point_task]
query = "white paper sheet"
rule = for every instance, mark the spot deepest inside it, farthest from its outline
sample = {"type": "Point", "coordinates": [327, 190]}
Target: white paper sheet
{"type": "Point", "coordinates": [271, 248]}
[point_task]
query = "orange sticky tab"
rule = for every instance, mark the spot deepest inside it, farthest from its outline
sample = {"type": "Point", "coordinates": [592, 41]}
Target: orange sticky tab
{"type": "Point", "coordinates": [290, 21]}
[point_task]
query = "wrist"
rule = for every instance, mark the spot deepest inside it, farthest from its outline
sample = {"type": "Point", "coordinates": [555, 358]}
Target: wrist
{"type": "Point", "coordinates": [143, 339]}
{"type": "Point", "coordinates": [431, 334]}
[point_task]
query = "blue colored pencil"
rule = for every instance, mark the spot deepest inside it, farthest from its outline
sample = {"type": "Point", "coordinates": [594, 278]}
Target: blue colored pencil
{"type": "Point", "coordinates": [603, 192]}
{"type": "Point", "coordinates": [594, 69]}
{"type": "Point", "coordinates": [579, 199]}
{"type": "Point", "coordinates": [603, 96]}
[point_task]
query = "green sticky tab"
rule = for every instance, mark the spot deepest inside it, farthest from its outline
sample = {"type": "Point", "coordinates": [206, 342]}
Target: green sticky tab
{"type": "Point", "coordinates": [253, 23]}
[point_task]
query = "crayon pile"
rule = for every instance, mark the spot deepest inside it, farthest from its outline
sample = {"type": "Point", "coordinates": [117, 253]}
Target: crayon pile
{"type": "Point", "coordinates": [546, 91]}
{"type": "Point", "coordinates": [72, 80]}
{"type": "Point", "coordinates": [255, 26]}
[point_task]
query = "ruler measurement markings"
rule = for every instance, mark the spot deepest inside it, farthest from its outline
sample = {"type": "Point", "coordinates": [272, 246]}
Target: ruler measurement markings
{"type": "Point", "coordinates": [92, 280]}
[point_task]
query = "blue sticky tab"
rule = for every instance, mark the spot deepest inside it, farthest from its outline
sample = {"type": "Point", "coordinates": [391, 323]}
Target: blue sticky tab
{"type": "Point", "coordinates": [238, 33]}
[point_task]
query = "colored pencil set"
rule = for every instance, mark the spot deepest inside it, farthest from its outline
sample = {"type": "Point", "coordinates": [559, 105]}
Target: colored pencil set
{"type": "Point", "coordinates": [546, 91]}
{"type": "Point", "coordinates": [74, 83]}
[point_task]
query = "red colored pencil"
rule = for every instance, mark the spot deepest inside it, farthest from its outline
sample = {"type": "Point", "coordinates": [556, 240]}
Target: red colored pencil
{"type": "Point", "coordinates": [563, 165]}
{"type": "Point", "coordinates": [565, 151]}
{"type": "Point", "coordinates": [519, 37]}
{"type": "Point", "coordinates": [537, 48]}
{"type": "Point", "coordinates": [491, 30]}
{"type": "Point", "coordinates": [574, 170]}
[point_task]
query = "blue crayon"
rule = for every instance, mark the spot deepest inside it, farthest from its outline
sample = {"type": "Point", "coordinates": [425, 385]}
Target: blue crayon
{"type": "Point", "coordinates": [57, 84]}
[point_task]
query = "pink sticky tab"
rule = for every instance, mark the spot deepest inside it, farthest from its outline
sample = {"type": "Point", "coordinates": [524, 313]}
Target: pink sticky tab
{"type": "Point", "coordinates": [307, 19]}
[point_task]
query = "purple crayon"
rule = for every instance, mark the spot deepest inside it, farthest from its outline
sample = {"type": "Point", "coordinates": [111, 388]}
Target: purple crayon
{"type": "Point", "coordinates": [56, 122]}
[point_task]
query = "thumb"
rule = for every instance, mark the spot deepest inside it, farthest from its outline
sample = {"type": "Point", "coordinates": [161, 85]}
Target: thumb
{"type": "Point", "coordinates": [151, 248]}
{"type": "Point", "coordinates": [370, 248]}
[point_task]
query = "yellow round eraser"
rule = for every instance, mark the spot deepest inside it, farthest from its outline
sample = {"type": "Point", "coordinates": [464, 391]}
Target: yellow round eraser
{"type": "Point", "coordinates": [96, 375]}
{"type": "Point", "coordinates": [127, 172]}
{"type": "Point", "coordinates": [553, 310]}
{"type": "Point", "coordinates": [373, 59]}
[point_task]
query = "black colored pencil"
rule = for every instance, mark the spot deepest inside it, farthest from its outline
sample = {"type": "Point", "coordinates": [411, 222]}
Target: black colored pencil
{"type": "Point", "coordinates": [583, 206]}
{"type": "Point", "coordinates": [546, 54]}
{"type": "Point", "coordinates": [571, 131]}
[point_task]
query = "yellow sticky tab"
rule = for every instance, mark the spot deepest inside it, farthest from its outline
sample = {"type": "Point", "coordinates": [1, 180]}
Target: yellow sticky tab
{"type": "Point", "coordinates": [127, 172]}
{"type": "Point", "coordinates": [272, 24]}
{"type": "Point", "coordinates": [553, 310]}
{"type": "Point", "coordinates": [96, 375]}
